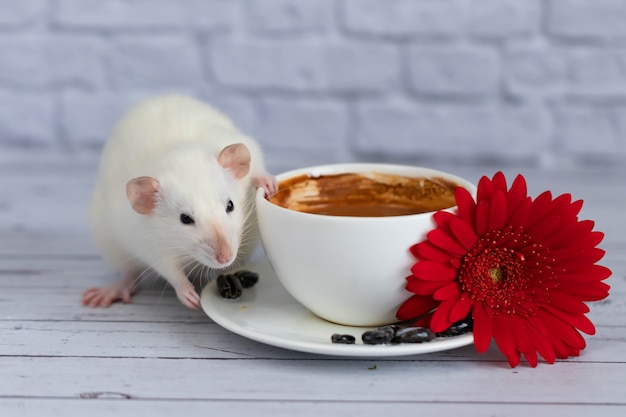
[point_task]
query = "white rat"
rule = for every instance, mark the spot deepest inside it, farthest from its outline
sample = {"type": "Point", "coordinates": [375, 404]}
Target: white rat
{"type": "Point", "coordinates": [174, 195]}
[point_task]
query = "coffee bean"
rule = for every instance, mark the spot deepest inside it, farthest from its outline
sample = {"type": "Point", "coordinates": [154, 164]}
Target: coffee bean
{"type": "Point", "coordinates": [396, 334]}
{"type": "Point", "coordinates": [346, 339]}
{"type": "Point", "coordinates": [413, 335]}
{"type": "Point", "coordinates": [380, 336]}
{"type": "Point", "coordinates": [247, 278]}
{"type": "Point", "coordinates": [457, 329]}
{"type": "Point", "coordinates": [229, 287]}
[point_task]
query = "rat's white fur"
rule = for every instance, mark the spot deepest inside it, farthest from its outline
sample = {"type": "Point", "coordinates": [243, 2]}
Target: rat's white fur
{"type": "Point", "coordinates": [175, 140]}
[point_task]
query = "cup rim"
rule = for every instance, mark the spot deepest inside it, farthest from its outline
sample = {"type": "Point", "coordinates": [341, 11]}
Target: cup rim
{"type": "Point", "coordinates": [356, 167]}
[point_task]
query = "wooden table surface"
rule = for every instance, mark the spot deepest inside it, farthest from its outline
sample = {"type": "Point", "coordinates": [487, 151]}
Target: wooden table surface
{"type": "Point", "coordinates": [154, 357]}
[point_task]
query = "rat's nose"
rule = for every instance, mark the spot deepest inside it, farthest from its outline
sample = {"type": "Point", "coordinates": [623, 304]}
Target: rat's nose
{"type": "Point", "coordinates": [223, 251]}
{"type": "Point", "coordinates": [224, 256]}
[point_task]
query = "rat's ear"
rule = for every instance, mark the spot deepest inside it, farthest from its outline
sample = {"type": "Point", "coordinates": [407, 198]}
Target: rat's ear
{"type": "Point", "coordinates": [141, 193]}
{"type": "Point", "coordinates": [236, 159]}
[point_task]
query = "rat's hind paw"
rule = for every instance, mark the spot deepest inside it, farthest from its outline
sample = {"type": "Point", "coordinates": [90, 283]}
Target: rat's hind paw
{"type": "Point", "coordinates": [104, 297]}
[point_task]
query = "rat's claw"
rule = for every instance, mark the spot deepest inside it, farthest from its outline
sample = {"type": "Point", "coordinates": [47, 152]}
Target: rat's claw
{"type": "Point", "coordinates": [188, 296]}
{"type": "Point", "coordinates": [272, 187]}
{"type": "Point", "coordinates": [268, 183]}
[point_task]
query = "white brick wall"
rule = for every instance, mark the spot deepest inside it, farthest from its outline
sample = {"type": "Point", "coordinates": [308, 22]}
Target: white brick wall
{"type": "Point", "coordinates": [525, 81]}
{"type": "Point", "coordinates": [451, 71]}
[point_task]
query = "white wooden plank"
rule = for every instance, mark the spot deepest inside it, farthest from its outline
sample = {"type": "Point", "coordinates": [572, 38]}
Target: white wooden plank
{"type": "Point", "coordinates": [53, 203]}
{"type": "Point", "coordinates": [157, 304]}
{"type": "Point", "coordinates": [205, 340]}
{"type": "Point", "coordinates": [51, 288]}
{"type": "Point", "coordinates": [315, 380]}
{"type": "Point", "coordinates": [46, 245]}
{"type": "Point", "coordinates": [121, 407]}
{"type": "Point", "coordinates": [129, 340]}
{"type": "Point", "coordinates": [43, 304]}
{"type": "Point", "coordinates": [64, 273]}
{"type": "Point", "coordinates": [50, 272]}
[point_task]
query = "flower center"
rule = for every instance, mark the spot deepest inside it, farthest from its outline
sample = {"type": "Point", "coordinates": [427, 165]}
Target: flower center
{"type": "Point", "coordinates": [495, 274]}
{"type": "Point", "coordinates": [504, 270]}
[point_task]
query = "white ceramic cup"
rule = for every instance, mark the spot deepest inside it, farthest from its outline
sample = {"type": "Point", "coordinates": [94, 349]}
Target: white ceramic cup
{"type": "Point", "coordinates": [347, 270]}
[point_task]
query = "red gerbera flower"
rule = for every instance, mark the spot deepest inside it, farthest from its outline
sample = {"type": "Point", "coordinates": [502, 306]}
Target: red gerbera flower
{"type": "Point", "coordinates": [522, 269]}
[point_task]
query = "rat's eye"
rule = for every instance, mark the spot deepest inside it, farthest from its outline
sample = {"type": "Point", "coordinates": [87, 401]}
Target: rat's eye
{"type": "Point", "coordinates": [230, 206]}
{"type": "Point", "coordinates": [186, 219]}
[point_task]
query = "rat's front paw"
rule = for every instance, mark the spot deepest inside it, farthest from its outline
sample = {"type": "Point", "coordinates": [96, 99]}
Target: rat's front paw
{"type": "Point", "coordinates": [268, 183]}
{"type": "Point", "coordinates": [187, 295]}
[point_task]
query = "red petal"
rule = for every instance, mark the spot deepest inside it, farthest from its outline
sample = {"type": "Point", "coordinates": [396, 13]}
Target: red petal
{"type": "Point", "coordinates": [594, 291]}
{"type": "Point", "coordinates": [499, 182]}
{"type": "Point", "coordinates": [572, 351]}
{"type": "Point", "coordinates": [445, 242]}
{"type": "Point", "coordinates": [520, 332]}
{"type": "Point", "coordinates": [433, 271]}
{"type": "Point", "coordinates": [542, 343]}
{"type": "Point", "coordinates": [484, 190]}
{"type": "Point", "coordinates": [415, 249]}
{"type": "Point", "coordinates": [561, 351]}
{"type": "Point", "coordinates": [450, 290]}
{"type": "Point", "coordinates": [586, 273]}
{"type": "Point", "coordinates": [482, 328]}
{"type": "Point", "coordinates": [540, 207]}
{"type": "Point", "coordinates": [575, 208]}
{"type": "Point", "coordinates": [503, 334]}
{"type": "Point", "coordinates": [423, 321]}
{"type": "Point", "coordinates": [564, 207]}
{"type": "Point", "coordinates": [567, 303]}
{"type": "Point", "coordinates": [517, 193]}
{"type": "Point", "coordinates": [574, 339]}
{"type": "Point", "coordinates": [537, 324]}
{"type": "Point", "coordinates": [463, 233]}
{"type": "Point", "coordinates": [568, 252]}
{"type": "Point", "coordinates": [583, 259]}
{"type": "Point", "coordinates": [442, 220]}
{"type": "Point", "coordinates": [421, 287]}
{"type": "Point", "coordinates": [544, 228]}
{"type": "Point", "coordinates": [577, 252]}
{"type": "Point", "coordinates": [466, 206]}
{"type": "Point", "coordinates": [440, 321]}
{"type": "Point", "coordinates": [565, 332]}
{"type": "Point", "coordinates": [569, 234]}
{"type": "Point", "coordinates": [415, 306]}
{"type": "Point", "coordinates": [426, 250]}
{"type": "Point", "coordinates": [559, 205]}
{"type": "Point", "coordinates": [461, 309]}
{"type": "Point", "coordinates": [578, 321]}
{"type": "Point", "coordinates": [531, 358]}
{"type": "Point", "coordinates": [520, 215]}
{"type": "Point", "coordinates": [592, 240]}
{"type": "Point", "coordinates": [498, 214]}
{"type": "Point", "coordinates": [482, 218]}
{"type": "Point", "coordinates": [595, 254]}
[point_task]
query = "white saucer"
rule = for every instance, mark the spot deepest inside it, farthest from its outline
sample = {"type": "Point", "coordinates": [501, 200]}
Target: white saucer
{"type": "Point", "coordinates": [266, 313]}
